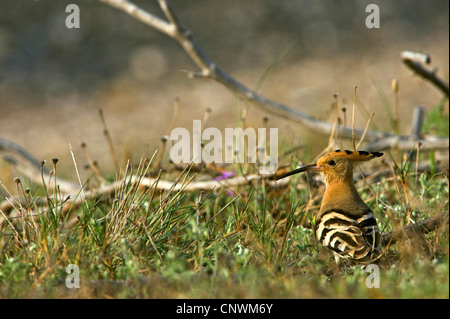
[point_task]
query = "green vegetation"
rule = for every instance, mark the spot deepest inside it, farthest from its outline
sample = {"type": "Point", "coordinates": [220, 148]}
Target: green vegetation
{"type": "Point", "coordinates": [252, 241]}
{"type": "Point", "coordinates": [437, 121]}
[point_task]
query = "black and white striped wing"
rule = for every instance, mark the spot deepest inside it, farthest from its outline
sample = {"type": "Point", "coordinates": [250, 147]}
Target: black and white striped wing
{"type": "Point", "coordinates": [357, 239]}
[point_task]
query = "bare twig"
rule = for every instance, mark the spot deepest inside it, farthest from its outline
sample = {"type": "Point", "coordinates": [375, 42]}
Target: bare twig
{"type": "Point", "coordinates": [109, 140]}
{"type": "Point", "coordinates": [365, 130]}
{"type": "Point", "coordinates": [417, 122]}
{"type": "Point", "coordinates": [414, 60]}
{"type": "Point", "coordinates": [92, 164]}
{"type": "Point", "coordinates": [404, 143]}
{"type": "Point", "coordinates": [28, 165]}
{"type": "Point", "coordinates": [6, 145]}
{"type": "Point", "coordinates": [208, 69]}
{"type": "Point", "coordinates": [335, 106]}
{"type": "Point", "coordinates": [144, 183]}
{"type": "Point", "coordinates": [416, 129]}
{"type": "Point", "coordinates": [422, 227]}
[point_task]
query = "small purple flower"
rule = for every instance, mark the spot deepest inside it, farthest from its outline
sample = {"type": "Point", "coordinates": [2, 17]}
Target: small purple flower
{"type": "Point", "coordinates": [230, 193]}
{"type": "Point", "coordinates": [224, 175]}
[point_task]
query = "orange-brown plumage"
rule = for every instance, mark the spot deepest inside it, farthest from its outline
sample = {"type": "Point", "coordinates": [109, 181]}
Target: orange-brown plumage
{"type": "Point", "coordinates": [345, 224]}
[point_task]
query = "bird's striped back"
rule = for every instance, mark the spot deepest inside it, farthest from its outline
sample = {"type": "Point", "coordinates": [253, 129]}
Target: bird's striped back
{"type": "Point", "coordinates": [355, 238]}
{"type": "Point", "coordinates": [345, 224]}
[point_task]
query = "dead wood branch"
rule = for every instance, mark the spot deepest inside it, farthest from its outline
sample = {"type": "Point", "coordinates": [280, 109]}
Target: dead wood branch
{"type": "Point", "coordinates": [208, 69]}
{"type": "Point", "coordinates": [405, 144]}
{"type": "Point", "coordinates": [414, 141]}
{"type": "Point", "coordinates": [28, 165]}
{"type": "Point", "coordinates": [417, 122]}
{"type": "Point", "coordinates": [12, 208]}
{"type": "Point", "coordinates": [6, 145]}
{"type": "Point", "coordinates": [414, 60]}
{"type": "Point", "coordinates": [411, 231]}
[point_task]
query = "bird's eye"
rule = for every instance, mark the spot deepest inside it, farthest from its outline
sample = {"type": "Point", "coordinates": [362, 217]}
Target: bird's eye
{"type": "Point", "coordinates": [331, 162]}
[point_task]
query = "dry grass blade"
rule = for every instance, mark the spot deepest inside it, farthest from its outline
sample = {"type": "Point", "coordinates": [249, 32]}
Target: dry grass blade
{"type": "Point", "coordinates": [109, 140]}
{"type": "Point", "coordinates": [365, 130]}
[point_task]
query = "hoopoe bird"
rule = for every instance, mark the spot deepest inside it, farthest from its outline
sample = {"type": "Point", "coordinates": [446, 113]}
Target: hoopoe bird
{"type": "Point", "coordinates": [344, 224]}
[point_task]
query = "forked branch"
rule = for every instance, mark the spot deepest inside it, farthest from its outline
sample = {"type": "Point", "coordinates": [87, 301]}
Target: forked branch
{"type": "Point", "coordinates": [415, 61]}
{"type": "Point", "coordinates": [173, 28]}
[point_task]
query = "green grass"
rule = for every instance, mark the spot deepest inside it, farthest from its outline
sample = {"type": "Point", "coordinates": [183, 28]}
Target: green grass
{"type": "Point", "coordinates": [248, 241]}
{"type": "Point", "coordinates": [256, 242]}
{"type": "Point", "coordinates": [437, 121]}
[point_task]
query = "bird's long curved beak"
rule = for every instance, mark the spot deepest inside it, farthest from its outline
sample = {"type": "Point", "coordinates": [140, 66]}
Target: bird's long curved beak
{"type": "Point", "coordinates": [310, 167]}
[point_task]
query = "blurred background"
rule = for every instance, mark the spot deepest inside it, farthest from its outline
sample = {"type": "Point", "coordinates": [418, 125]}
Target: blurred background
{"type": "Point", "coordinates": [53, 80]}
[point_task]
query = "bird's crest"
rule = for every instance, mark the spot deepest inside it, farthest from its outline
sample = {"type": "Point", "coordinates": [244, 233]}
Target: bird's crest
{"type": "Point", "coordinates": [331, 158]}
{"type": "Point", "coordinates": [354, 156]}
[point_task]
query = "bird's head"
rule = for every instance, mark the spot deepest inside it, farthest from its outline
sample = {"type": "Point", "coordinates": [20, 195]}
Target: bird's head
{"type": "Point", "coordinates": [337, 165]}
